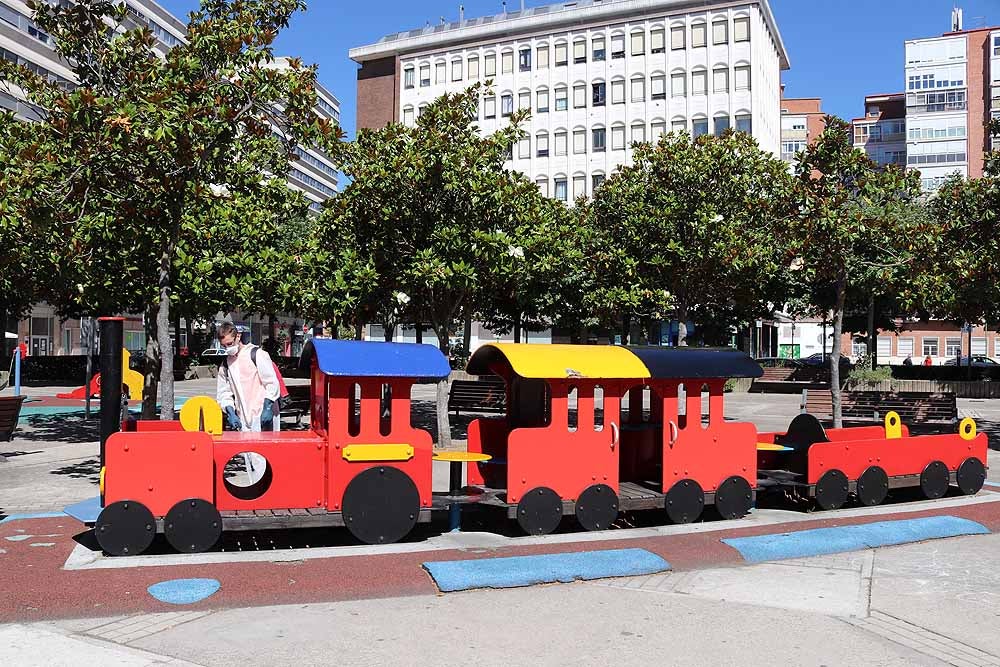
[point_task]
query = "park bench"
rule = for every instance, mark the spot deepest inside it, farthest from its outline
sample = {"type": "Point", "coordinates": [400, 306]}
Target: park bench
{"type": "Point", "coordinates": [483, 395]}
{"type": "Point", "coordinates": [778, 378]}
{"type": "Point", "coordinates": [913, 407]}
{"type": "Point", "coordinates": [299, 405]}
{"type": "Point", "coordinates": [10, 410]}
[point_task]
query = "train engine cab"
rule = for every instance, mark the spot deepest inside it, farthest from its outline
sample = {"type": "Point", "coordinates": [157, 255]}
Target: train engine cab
{"type": "Point", "coordinates": [568, 447]}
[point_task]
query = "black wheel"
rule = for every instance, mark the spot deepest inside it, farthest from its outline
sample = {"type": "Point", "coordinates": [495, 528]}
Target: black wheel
{"type": "Point", "coordinates": [971, 476]}
{"type": "Point", "coordinates": [539, 511]}
{"type": "Point", "coordinates": [381, 505]}
{"type": "Point", "coordinates": [734, 498]}
{"type": "Point", "coordinates": [684, 502]}
{"type": "Point", "coordinates": [125, 528]}
{"type": "Point", "coordinates": [934, 480]}
{"type": "Point", "coordinates": [193, 525]}
{"type": "Point", "coordinates": [873, 486]}
{"type": "Point", "coordinates": [831, 490]}
{"type": "Point", "coordinates": [597, 507]}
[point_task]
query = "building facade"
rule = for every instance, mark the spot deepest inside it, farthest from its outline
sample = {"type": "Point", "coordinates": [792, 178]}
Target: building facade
{"type": "Point", "coordinates": [597, 75]}
{"type": "Point", "coordinates": [802, 120]}
{"type": "Point", "coordinates": [881, 132]}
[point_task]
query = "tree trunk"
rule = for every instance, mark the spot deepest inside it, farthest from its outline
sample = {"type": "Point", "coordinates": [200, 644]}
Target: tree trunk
{"type": "Point", "coordinates": [152, 366]}
{"type": "Point", "coordinates": [163, 338]}
{"type": "Point", "coordinates": [272, 327]}
{"type": "Point", "coordinates": [517, 327]}
{"type": "Point", "coordinates": [872, 338]}
{"type": "Point", "coordinates": [653, 336]}
{"type": "Point", "coordinates": [358, 329]}
{"type": "Point", "coordinates": [968, 372]}
{"type": "Point", "coordinates": [88, 349]}
{"type": "Point", "coordinates": [682, 327]}
{"type": "Point", "coordinates": [420, 332]}
{"type": "Point", "coordinates": [838, 328]}
{"type": "Point", "coordinates": [626, 328]}
{"type": "Point", "coordinates": [467, 334]}
{"type": "Point", "coordinates": [388, 329]}
{"type": "Point", "coordinates": [443, 418]}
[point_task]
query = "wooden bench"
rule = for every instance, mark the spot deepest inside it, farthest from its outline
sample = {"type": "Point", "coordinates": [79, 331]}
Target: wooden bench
{"type": "Point", "coordinates": [484, 395]}
{"type": "Point", "coordinates": [780, 378]}
{"type": "Point", "coordinates": [913, 407]}
{"type": "Point", "coordinates": [10, 410]}
{"type": "Point", "coordinates": [301, 399]}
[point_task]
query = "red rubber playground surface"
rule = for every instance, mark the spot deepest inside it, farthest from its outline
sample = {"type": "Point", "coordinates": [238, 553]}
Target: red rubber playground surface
{"type": "Point", "coordinates": [36, 586]}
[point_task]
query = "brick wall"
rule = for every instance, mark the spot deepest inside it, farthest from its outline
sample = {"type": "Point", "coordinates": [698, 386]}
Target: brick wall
{"type": "Point", "coordinates": [979, 99]}
{"type": "Point", "coordinates": [378, 98]}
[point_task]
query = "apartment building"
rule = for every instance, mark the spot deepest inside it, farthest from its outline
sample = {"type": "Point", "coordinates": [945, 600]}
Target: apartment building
{"type": "Point", "coordinates": [597, 75]}
{"type": "Point", "coordinates": [23, 41]}
{"type": "Point", "coordinates": [802, 120]}
{"type": "Point", "coordinates": [881, 132]}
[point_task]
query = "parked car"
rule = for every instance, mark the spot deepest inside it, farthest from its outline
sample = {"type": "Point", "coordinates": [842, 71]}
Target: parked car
{"type": "Point", "coordinates": [818, 359]}
{"type": "Point", "coordinates": [978, 361]}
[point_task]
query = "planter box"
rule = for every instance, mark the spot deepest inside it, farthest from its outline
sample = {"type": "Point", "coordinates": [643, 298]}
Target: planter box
{"type": "Point", "coordinates": [960, 389]}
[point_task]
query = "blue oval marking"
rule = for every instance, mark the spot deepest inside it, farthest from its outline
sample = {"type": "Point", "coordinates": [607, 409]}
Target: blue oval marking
{"type": "Point", "coordinates": [184, 591]}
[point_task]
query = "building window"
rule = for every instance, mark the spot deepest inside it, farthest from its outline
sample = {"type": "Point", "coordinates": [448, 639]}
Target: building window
{"type": "Point", "coordinates": [579, 186]}
{"type": "Point", "coordinates": [456, 70]}
{"type": "Point", "coordinates": [596, 181]}
{"type": "Point", "coordinates": [561, 142]}
{"type": "Point", "coordinates": [543, 59]}
{"type": "Point", "coordinates": [421, 109]}
{"type": "Point", "coordinates": [543, 101]}
{"type": "Point", "coordinates": [883, 346]}
{"type": "Point", "coordinates": [618, 138]}
{"type": "Point", "coordinates": [996, 50]}
{"type": "Point", "coordinates": [562, 55]}
{"type": "Point", "coordinates": [677, 41]}
{"type": "Point", "coordinates": [744, 123]}
{"type": "Point", "coordinates": [930, 346]}
{"type": "Point", "coordinates": [490, 107]}
{"type": "Point", "coordinates": [599, 140]}
{"type": "Point", "coordinates": [618, 92]}
{"type": "Point", "coordinates": [656, 130]}
{"type": "Point", "coordinates": [678, 85]}
{"type": "Point", "coordinates": [506, 104]}
{"type": "Point", "coordinates": [542, 145]}
{"type": "Point", "coordinates": [561, 193]}
{"type": "Point", "coordinates": [598, 49]}
{"type": "Point", "coordinates": [678, 125]}
{"type": "Point", "coordinates": [904, 347]}
{"type": "Point", "coordinates": [699, 35]}
{"type": "Point", "coordinates": [579, 141]}
{"type": "Point", "coordinates": [741, 29]}
{"type": "Point", "coordinates": [507, 62]}
{"type": "Point", "coordinates": [721, 125]}
{"type": "Point", "coordinates": [952, 347]}
{"type": "Point", "coordinates": [580, 96]}
{"type": "Point", "coordinates": [699, 82]}
{"type": "Point", "coordinates": [638, 43]}
{"type": "Point", "coordinates": [720, 80]}
{"type": "Point", "coordinates": [524, 100]}
{"type": "Point", "coordinates": [440, 73]}
{"type": "Point", "coordinates": [425, 76]}
{"type": "Point", "coordinates": [408, 77]}
{"type": "Point", "coordinates": [408, 116]}
{"type": "Point", "coordinates": [720, 32]}
{"type": "Point", "coordinates": [743, 77]}
{"type": "Point", "coordinates": [638, 133]}
{"type": "Point", "coordinates": [658, 87]}
{"type": "Point", "coordinates": [699, 127]}
{"type": "Point", "coordinates": [543, 185]}
{"type": "Point", "coordinates": [473, 68]}
{"type": "Point", "coordinates": [579, 51]}
{"type": "Point", "coordinates": [657, 41]}
{"type": "Point", "coordinates": [599, 94]}
{"type": "Point", "coordinates": [979, 346]}
{"type": "Point", "coordinates": [617, 46]}
{"type": "Point", "coordinates": [524, 148]}
{"type": "Point", "coordinates": [638, 90]}
{"type": "Point", "coordinates": [524, 60]}
{"type": "Point", "coordinates": [491, 64]}
{"type": "Point", "coordinates": [562, 99]}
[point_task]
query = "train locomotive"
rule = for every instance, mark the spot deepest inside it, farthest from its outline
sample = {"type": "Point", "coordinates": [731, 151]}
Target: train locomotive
{"type": "Point", "coordinates": [588, 432]}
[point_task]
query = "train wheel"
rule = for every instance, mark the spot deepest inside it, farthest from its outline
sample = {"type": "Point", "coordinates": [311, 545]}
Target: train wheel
{"type": "Point", "coordinates": [125, 528]}
{"type": "Point", "coordinates": [381, 505]}
{"type": "Point", "coordinates": [193, 525]}
{"type": "Point", "coordinates": [971, 476]}
{"type": "Point", "coordinates": [934, 480]}
{"type": "Point", "coordinates": [597, 507]}
{"type": "Point", "coordinates": [539, 511]}
{"type": "Point", "coordinates": [831, 490]}
{"type": "Point", "coordinates": [684, 502]}
{"type": "Point", "coordinates": [734, 498]}
{"type": "Point", "coordinates": [873, 486]}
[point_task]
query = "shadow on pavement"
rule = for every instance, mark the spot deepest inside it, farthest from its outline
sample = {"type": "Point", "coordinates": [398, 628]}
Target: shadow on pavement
{"type": "Point", "coordinates": [89, 470]}
{"type": "Point", "coordinates": [58, 428]}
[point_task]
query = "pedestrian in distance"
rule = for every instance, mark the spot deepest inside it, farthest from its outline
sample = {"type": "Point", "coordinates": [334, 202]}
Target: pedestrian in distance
{"type": "Point", "coordinates": [247, 386]}
{"type": "Point", "coordinates": [927, 361]}
{"type": "Point", "coordinates": [908, 361]}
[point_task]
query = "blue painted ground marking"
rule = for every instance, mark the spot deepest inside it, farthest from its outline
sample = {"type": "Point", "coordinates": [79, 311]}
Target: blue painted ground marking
{"type": "Point", "coordinates": [85, 511]}
{"type": "Point", "coordinates": [184, 591]}
{"type": "Point", "coordinates": [38, 515]}
{"type": "Point", "coordinates": [818, 541]}
{"type": "Point", "coordinates": [458, 575]}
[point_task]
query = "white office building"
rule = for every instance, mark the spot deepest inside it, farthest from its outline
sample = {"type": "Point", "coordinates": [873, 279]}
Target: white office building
{"type": "Point", "coordinates": [597, 76]}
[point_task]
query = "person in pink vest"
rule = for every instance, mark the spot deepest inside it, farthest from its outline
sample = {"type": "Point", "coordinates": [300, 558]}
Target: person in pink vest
{"type": "Point", "coordinates": [247, 387]}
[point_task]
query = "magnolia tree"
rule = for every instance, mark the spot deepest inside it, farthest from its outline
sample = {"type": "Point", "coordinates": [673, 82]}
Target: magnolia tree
{"type": "Point", "coordinates": [161, 177]}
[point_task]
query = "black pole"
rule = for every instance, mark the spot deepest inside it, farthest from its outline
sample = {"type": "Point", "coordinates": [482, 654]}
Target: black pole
{"type": "Point", "coordinates": [111, 377]}
{"type": "Point", "coordinates": [89, 351]}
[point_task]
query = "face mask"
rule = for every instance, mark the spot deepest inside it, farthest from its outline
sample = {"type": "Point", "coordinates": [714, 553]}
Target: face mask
{"type": "Point", "coordinates": [232, 349]}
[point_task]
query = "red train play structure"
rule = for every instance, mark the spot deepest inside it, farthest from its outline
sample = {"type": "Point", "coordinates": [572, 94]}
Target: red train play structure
{"type": "Point", "coordinates": [589, 431]}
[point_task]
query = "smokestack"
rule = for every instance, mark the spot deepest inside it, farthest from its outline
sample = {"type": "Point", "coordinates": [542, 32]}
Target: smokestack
{"type": "Point", "coordinates": [956, 19]}
{"type": "Point", "coordinates": [461, 13]}
{"type": "Point", "coordinates": [522, 5]}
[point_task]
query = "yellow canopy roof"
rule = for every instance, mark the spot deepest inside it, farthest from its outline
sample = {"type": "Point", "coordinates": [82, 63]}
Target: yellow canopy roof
{"type": "Point", "coordinates": [560, 361]}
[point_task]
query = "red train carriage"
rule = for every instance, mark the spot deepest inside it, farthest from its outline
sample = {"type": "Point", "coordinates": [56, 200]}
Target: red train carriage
{"type": "Point", "coordinates": [551, 457]}
{"type": "Point", "coordinates": [362, 465]}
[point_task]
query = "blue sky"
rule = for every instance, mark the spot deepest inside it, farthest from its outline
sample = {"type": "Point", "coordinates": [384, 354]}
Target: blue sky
{"type": "Point", "coordinates": [839, 51]}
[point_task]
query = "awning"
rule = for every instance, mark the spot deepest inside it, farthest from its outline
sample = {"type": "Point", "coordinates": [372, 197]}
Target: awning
{"type": "Point", "coordinates": [356, 358]}
{"type": "Point", "coordinates": [545, 361]}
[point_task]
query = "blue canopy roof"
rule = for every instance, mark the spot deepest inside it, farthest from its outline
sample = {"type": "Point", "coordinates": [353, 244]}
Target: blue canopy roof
{"type": "Point", "coordinates": [356, 358]}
